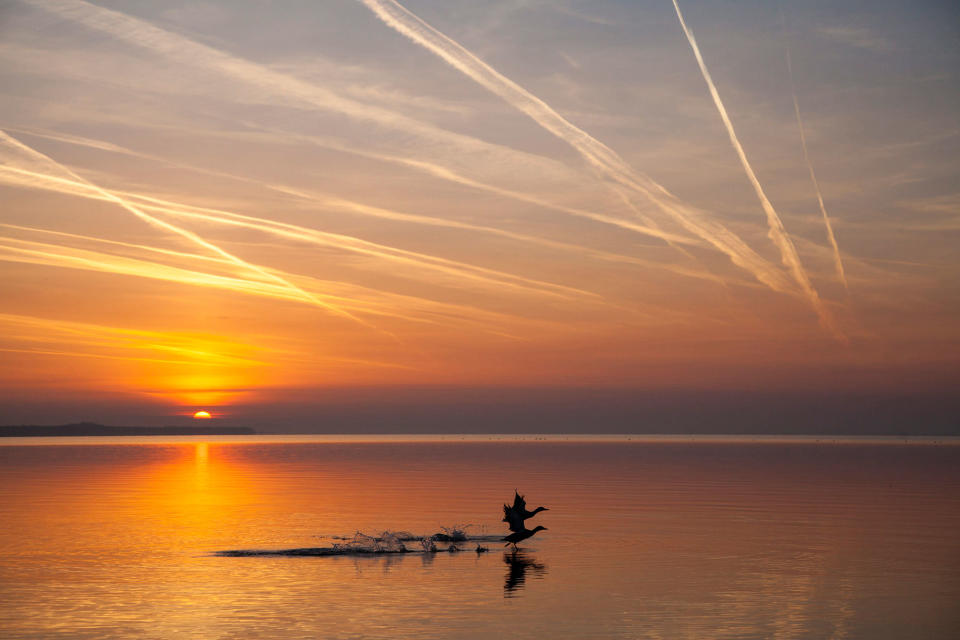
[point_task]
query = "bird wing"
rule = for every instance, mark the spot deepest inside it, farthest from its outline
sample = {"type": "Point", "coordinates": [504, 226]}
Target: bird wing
{"type": "Point", "coordinates": [519, 504]}
{"type": "Point", "coordinates": [513, 518]}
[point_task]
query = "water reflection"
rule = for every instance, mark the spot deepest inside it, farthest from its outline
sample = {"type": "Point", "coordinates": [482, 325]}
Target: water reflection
{"type": "Point", "coordinates": [518, 564]}
{"type": "Point", "coordinates": [645, 540]}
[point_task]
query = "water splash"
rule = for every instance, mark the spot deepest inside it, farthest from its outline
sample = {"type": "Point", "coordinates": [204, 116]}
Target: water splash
{"type": "Point", "coordinates": [448, 540]}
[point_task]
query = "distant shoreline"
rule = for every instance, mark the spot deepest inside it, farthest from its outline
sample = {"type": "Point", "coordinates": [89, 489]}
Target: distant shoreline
{"type": "Point", "coordinates": [180, 435]}
{"type": "Point", "coordinates": [93, 429]}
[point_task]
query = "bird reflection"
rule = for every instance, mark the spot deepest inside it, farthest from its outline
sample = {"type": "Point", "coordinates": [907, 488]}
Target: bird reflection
{"type": "Point", "coordinates": [518, 563]}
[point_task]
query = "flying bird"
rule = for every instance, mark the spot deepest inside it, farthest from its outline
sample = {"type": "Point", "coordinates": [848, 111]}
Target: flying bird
{"type": "Point", "coordinates": [516, 514]}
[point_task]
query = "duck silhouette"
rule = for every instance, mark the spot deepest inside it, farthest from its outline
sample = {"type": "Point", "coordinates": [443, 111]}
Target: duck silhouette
{"type": "Point", "coordinates": [520, 536]}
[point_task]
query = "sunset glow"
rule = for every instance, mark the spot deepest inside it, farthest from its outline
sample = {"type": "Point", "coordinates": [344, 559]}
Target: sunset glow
{"type": "Point", "coordinates": [383, 195]}
{"type": "Point", "coordinates": [532, 319]}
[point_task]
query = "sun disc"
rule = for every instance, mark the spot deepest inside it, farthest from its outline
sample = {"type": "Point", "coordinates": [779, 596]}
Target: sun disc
{"type": "Point", "coordinates": [202, 415]}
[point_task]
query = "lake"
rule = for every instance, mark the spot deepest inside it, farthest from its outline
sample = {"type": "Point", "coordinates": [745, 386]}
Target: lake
{"type": "Point", "coordinates": [653, 537]}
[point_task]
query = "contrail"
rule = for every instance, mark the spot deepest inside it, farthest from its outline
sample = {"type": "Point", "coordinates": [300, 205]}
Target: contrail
{"type": "Point", "coordinates": [16, 250]}
{"type": "Point", "coordinates": [778, 233]}
{"type": "Point", "coordinates": [171, 46]}
{"type": "Point", "coordinates": [142, 34]}
{"type": "Point", "coordinates": [40, 253]}
{"type": "Point", "coordinates": [423, 166]}
{"type": "Point", "coordinates": [806, 157]}
{"type": "Point", "coordinates": [361, 299]}
{"type": "Point", "coordinates": [598, 155]}
{"type": "Point", "coordinates": [358, 208]}
{"type": "Point", "coordinates": [117, 243]}
{"type": "Point", "coordinates": [459, 270]}
{"type": "Point", "coordinates": [189, 235]}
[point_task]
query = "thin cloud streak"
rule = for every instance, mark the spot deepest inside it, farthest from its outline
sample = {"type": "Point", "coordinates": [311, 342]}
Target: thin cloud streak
{"type": "Point", "coordinates": [598, 155]}
{"type": "Point", "coordinates": [459, 270]}
{"type": "Point", "coordinates": [778, 234]}
{"type": "Point", "coordinates": [145, 35]}
{"type": "Point", "coordinates": [26, 251]}
{"type": "Point", "coordinates": [838, 262]}
{"type": "Point", "coordinates": [53, 255]}
{"type": "Point", "coordinates": [173, 46]}
{"type": "Point", "coordinates": [378, 303]}
{"type": "Point", "coordinates": [117, 243]}
{"type": "Point", "coordinates": [196, 349]}
{"type": "Point", "coordinates": [161, 224]}
{"type": "Point", "coordinates": [100, 356]}
{"type": "Point", "coordinates": [358, 208]}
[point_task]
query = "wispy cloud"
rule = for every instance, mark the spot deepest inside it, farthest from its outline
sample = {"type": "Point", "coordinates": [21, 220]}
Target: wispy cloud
{"type": "Point", "coordinates": [778, 234]}
{"type": "Point", "coordinates": [355, 298]}
{"type": "Point", "coordinates": [838, 261]}
{"type": "Point", "coordinates": [458, 271]}
{"type": "Point", "coordinates": [101, 341]}
{"type": "Point", "coordinates": [603, 159]}
{"type": "Point", "coordinates": [857, 37]}
{"type": "Point", "coordinates": [330, 201]}
{"type": "Point", "coordinates": [36, 157]}
{"type": "Point", "coordinates": [290, 89]}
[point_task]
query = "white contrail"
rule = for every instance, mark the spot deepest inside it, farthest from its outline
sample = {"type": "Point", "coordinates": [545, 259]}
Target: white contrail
{"type": "Point", "coordinates": [161, 224]}
{"type": "Point", "coordinates": [17, 250]}
{"type": "Point", "coordinates": [172, 46]}
{"type": "Point", "coordinates": [423, 166]}
{"type": "Point", "coordinates": [142, 34]}
{"type": "Point", "coordinates": [813, 177]}
{"type": "Point", "coordinates": [778, 233]}
{"type": "Point", "coordinates": [386, 305]}
{"type": "Point", "coordinates": [598, 155]}
{"type": "Point", "coordinates": [327, 200]}
{"type": "Point", "coordinates": [117, 243]}
{"type": "Point", "coordinates": [459, 270]}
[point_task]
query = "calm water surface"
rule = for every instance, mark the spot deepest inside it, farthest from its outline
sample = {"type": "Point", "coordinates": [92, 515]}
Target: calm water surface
{"type": "Point", "coordinates": [647, 538]}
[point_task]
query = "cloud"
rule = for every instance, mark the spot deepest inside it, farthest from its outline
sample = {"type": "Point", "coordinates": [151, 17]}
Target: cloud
{"type": "Point", "coordinates": [603, 159]}
{"type": "Point", "coordinates": [778, 234]}
{"type": "Point", "coordinates": [837, 260]}
{"type": "Point", "coordinates": [36, 158]}
{"type": "Point", "coordinates": [141, 204]}
{"type": "Point", "coordinates": [445, 149]}
{"type": "Point", "coordinates": [330, 201]}
{"type": "Point", "coordinates": [857, 37]}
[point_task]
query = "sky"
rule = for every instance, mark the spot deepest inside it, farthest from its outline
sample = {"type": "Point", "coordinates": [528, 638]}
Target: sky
{"type": "Point", "coordinates": [511, 215]}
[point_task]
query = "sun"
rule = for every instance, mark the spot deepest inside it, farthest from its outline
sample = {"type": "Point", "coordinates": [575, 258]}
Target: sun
{"type": "Point", "coordinates": [202, 415]}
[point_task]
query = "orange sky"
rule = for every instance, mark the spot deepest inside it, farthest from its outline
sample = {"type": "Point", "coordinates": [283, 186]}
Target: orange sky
{"type": "Point", "coordinates": [216, 207]}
